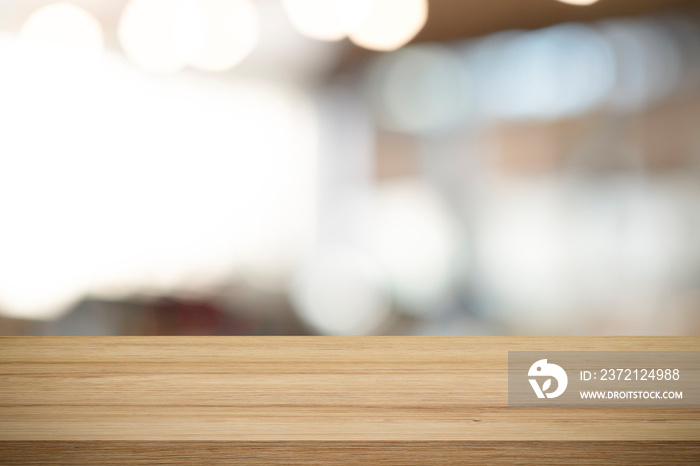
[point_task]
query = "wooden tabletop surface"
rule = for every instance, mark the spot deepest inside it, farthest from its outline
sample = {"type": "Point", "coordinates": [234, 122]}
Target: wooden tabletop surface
{"type": "Point", "coordinates": [312, 400]}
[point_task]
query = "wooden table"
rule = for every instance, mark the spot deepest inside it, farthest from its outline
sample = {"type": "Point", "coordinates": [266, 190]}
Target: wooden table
{"type": "Point", "coordinates": [312, 400]}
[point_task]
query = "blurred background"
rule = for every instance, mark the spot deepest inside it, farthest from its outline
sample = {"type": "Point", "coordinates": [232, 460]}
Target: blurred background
{"type": "Point", "coordinates": [350, 167]}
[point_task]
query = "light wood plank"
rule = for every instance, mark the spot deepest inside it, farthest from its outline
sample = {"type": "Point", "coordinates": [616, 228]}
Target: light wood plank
{"type": "Point", "coordinates": [302, 389]}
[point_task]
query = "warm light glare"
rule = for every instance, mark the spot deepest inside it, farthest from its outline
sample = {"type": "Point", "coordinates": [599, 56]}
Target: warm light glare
{"type": "Point", "coordinates": [167, 35]}
{"type": "Point", "coordinates": [390, 24]}
{"type": "Point", "coordinates": [317, 19]}
{"type": "Point", "coordinates": [233, 30]}
{"type": "Point", "coordinates": [189, 29]}
{"type": "Point", "coordinates": [352, 13]}
{"type": "Point", "coordinates": [579, 2]}
{"type": "Point", "coordinates": [148, 30]}
{"type": "Point", "coordinates": [64, 24]}
{"type": "Point", "coordinates": [373, 24]}
{"type": "Point", "coordinates": [114, 181]}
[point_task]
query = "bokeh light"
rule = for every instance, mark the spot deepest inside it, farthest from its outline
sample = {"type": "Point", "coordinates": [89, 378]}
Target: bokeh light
{"type": "Point", "coordinates": [211, 35]}
{"type": "Point", "coordinates": [555, 72]}
{"type": "Point", "coordinates": [648, 64]}
{"type": "Point", "coordinates": [232, 32]}
{"type": "Point", "coordinates": [522, 249]}
{"type": "Point", "coordinates": [414, 237]}
{"type": "Point", "coordinates": [150, 196]}
{"type": "Point", "coordinates": [390, 24]}
{"type": "Point", "coordinates": [246, 155]}
{"type": "Point", "coordinates": [341, 292]}
{"type": "Point", "coordinates": [373, 24]}
{"type": "Point", "coordinates": [160, 35]}
{"type": "Point", "coordinates": [317, 19]}
{"type": "Point", "coordinates": [579, 2]}
{"type": "Point", "coordinates": [420, 89]}
{"type": "Point", "coordinates": [64, 24]}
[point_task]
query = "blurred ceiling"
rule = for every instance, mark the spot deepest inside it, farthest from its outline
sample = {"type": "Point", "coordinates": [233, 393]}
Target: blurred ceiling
{"type": "Point", "coordinates": [450, 20]}
{"type": "Point", "coordinates": [456, 19]}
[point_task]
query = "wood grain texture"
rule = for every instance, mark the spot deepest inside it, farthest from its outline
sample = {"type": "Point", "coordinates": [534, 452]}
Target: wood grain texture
{"type": "Point", "coordinates": [358, 453]}
{"type": "Point", "coordinates": [300, 398]}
